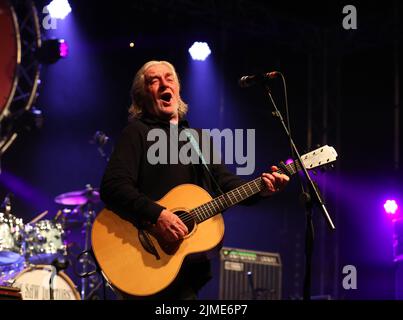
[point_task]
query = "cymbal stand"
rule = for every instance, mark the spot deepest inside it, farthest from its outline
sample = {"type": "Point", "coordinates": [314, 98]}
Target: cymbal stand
{"type": "Point", "coordinates": [89, 215]}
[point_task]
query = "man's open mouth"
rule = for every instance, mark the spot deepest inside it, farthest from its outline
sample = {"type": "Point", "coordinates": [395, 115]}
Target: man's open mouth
{"type": "Point", "coordinates": [166, 96]}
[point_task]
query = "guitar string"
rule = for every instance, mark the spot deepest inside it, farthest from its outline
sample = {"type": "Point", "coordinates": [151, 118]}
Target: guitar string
{"type": "Point", "coordinates": [216, 205]}
{"type": "Point", "coordinates": [204, 210]}
{"type": "Point", "coordinates": [201, 212]}
{"type": "Point", "coordinates": [209, 209]}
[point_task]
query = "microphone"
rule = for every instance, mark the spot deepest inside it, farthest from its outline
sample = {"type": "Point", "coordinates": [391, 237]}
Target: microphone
{"type": "Point", "coordinates": [100, 138]}
{"type": "Point", "coordinates": [249, 81]}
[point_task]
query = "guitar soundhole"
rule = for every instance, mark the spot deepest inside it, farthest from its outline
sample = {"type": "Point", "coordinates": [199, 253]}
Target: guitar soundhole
{"type": "Point", "coordinates": [187, 219]}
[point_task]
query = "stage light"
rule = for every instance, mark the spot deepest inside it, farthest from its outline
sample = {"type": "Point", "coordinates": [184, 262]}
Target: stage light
{"type": "Point", "coordinates": [52, 50]}
{"type": "Point", "coordinates": [390, 207]}
{"type": "Point", "coordinates": [289, 161]}
{"type": "Point", "coordinates": [59, 9]}
{"type": "Point", "coordinates": [63, 48]}
{"type": "Point", "coordinates": [131, 44]}
{"type": "Point", "coordinates": [199, 51]}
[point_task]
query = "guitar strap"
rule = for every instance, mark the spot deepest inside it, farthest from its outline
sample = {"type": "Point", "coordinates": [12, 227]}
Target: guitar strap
{"type": "Point", "coordinates": [196, 147]}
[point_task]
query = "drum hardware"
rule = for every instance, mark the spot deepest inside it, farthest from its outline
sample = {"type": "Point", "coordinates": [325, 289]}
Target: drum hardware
{"type": "Point", "coordinates": [84, 201]}
{"type": "Point", "coordinates": [58, 265]}
{"type": "Point", "coordinates": [34, 284]}
{"type": "Point", "coordinates": [79, 198]}
{"type": "Point", "coordinates": [11, 234]}
{"type": "Point", "coordinates": [89, 216]}
{"type": "Point", "coordinates": [70, 218]}
{"type": "Point", "coordinates": [44, 241]}
{"type": "Point", "coordinates": [23, 245]}
{"type": "Point", "coordinates": [35, 249]}
{"type": "Point", "coordinates": [90, 275]}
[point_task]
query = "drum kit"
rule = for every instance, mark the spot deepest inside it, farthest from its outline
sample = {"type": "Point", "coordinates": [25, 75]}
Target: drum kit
{"type": "Point", "coordinates": [31, 254]}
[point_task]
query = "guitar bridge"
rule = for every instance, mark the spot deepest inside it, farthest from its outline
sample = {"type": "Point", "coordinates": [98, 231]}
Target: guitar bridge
{"type": "Point", "coordinates": [147, 244]}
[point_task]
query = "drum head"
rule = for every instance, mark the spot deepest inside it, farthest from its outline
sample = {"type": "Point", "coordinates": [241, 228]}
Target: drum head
{"type": "Point", "coordinates": [34, 284]}
{"type": "Point", "coordinates": [8, 257]}
{"type": "Point", "coordinates": [8, 271]}
{"type": "Point", "coordinates": [8, 55]}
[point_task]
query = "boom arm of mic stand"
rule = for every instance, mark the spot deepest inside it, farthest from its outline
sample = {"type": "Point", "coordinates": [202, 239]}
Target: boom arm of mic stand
{"type": "Point", "coordinates": [311, 185]}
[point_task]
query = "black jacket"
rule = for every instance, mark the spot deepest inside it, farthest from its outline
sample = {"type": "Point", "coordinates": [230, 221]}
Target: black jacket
{"type": "Point", "coordinates": [131, 185]}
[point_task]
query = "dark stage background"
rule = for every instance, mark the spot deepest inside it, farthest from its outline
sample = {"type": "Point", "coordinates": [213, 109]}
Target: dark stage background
{"type": "Point", "coordinates": [341, 90]}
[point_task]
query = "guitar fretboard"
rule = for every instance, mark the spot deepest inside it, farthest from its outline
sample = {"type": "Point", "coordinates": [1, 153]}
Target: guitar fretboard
{"type": "Point", "coordinates": [243, 192]}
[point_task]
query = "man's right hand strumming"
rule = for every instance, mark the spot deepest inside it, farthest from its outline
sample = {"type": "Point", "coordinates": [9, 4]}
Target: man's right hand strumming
{"type": "Point", "coordinates": [170, 227]}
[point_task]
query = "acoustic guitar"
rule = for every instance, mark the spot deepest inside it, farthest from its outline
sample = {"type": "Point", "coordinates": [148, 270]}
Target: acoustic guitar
{"type": "Point", "coordinates": [139, 263]}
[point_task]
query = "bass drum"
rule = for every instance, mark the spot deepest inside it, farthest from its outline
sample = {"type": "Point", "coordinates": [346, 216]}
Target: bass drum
{"type": "Point", "coordinates": [34, 284]}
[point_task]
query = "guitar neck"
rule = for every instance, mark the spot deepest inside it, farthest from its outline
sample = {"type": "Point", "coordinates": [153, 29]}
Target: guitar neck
{"type": "Point", "coordinates": [233, 197]}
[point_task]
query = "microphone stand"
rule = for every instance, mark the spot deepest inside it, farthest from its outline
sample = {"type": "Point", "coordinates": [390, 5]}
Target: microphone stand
{"type": "Point", "coordinates": [251, 285]}
{"type": "Point", "coordinates": [309, 198]}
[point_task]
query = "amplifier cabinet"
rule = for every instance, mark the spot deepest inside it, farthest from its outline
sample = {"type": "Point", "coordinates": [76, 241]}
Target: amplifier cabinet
{"type": "Point", "coordinates": [249, 275]}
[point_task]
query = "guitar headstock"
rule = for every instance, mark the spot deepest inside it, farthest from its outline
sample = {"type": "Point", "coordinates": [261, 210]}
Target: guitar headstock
{"type": "Point", "coordinates": [319, 157]}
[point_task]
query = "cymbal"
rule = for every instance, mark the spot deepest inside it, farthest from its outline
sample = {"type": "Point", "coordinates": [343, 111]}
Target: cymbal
{"type": "Point", "coordinates": [79, 197]}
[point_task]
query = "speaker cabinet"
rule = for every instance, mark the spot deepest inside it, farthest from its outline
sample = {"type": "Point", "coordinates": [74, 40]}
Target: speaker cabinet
{"type": "Point", "coordinates": [249, 275]}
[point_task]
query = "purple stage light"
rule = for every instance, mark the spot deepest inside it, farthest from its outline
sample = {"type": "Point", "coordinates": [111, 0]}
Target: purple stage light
{"type": "Point", "coordinates": [52, 50]}
{"type": "Point", "coordinates": [59, 9]}
{"type": "Point", "coordinates": [289, 161]}
{"type": "Point", "coordinates": [22, 190]}
{"type": "Point", "coordinates": [63, 48]}
{"type": "Point", "coordinates": [199, 51]}
{"type": "Point", "coordinates": [390, 206]}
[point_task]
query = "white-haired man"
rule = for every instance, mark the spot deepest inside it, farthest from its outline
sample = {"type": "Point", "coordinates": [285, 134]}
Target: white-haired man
{"type": "Point", "coordinates": [131, 184]}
